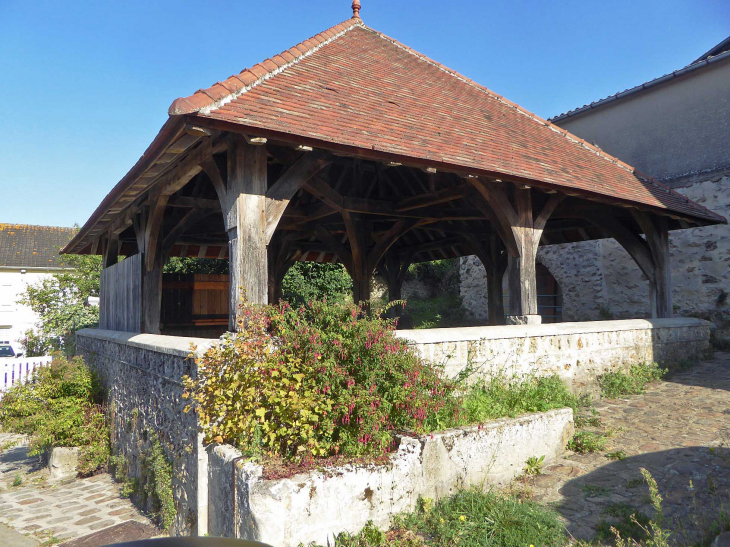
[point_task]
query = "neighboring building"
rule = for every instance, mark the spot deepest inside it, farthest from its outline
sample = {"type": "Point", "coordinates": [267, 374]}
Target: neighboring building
{"type": "Point", "coordinates": [27, 254]}
{"type": "Point", "coordinates": [675, 129]}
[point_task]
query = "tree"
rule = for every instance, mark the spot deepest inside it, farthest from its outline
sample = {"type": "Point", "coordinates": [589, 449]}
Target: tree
{"type": "Point", "coordinates": [59, 302]}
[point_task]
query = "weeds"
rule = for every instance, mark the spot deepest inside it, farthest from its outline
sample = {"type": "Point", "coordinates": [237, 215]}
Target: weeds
{"type": "Point", "coordinates": [533, 465]}
{"type": "Point", "coordinates": [586, 441]}
{"type": "Point", "coordinates": [616, 384]}
{"type": "Point", "coordinates": [618, 455]}
{"type": "Point", "coordinates": [17, 481]}
{"type": "Point", "coordinates": [594, 490]}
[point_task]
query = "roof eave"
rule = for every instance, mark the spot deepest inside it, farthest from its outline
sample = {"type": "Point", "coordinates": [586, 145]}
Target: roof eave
{"type": "Point", "coordinates": [167, 134]}
{"type": "Point", "coordinates": [378, 155]}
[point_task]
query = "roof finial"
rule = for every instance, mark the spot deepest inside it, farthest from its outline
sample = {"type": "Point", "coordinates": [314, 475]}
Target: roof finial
{"type": "Point", "coordinates": [356, 9]}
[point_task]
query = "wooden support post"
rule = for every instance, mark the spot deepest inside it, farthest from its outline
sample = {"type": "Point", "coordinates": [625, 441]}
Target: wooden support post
{"type": "Point", "coordinates": [494, 259]}
{"type": "Point", "coordinates": [245, 212]}
{"type": "Point", "coordinates": [394, 268]}
{"type": "Point", "coordinates": [521, 269]}
{"type": "Point", "coordinates": [650, 254]}
{"type": "Point", "coordinates": [520, 231]}
{"type": "Point", "coordinates": [356, 233]}
{"type": "Point", "coordinates": [656, 231]}
{"type": "Point", "coordinates": [153, 264]}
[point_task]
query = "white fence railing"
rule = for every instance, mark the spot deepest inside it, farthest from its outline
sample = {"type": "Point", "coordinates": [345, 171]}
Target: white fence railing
{"type": "Point", "coordinates": [19, 370]}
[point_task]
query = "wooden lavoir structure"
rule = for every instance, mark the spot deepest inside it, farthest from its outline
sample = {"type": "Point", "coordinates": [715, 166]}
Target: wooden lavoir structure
{"type": "Point", "coordinates": [352, 147]}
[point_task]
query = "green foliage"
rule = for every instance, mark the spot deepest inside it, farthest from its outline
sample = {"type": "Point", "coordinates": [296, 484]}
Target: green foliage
{"type": "Point", "coordinates": [17, 481]}
{"type": "Point", "coordinates": [157, 471]}
{"type": "Point", "coordinates": [616, 384]}
{"type": "Point", "coordinates": [442, 311]}
{"type": "Point", "coordinates": [59, 303]}
{"type": "Point", "coordinates": [500, 397]}
{"type": "Point", "coordinates": [618, 455]}
{"type": "Point", "coordinates": [586, 441]}
{"type": "Point", "coordinates": [441, 275]}
{"type": "Point", "coordinates": [332, 379]}
{"type": "Point", "coordinates": [307, 281]}
{"type": "Point", "coordinates": [59, 407]}
{"type": "Point", "coordinates": [470, 518]}
{"type": "Point", "coordinates": [186, 265]}
{"type": "Point", "coordinates": [533, 465]}
{"type": "Point", "coordinates": [475, 518]}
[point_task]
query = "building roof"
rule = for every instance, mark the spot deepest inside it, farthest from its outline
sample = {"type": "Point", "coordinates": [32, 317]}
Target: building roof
{"type": "Point", "coordinates": [354, 90]}
{"type": "Point", "coordinates": [718, 53]}
{"type": "Point", "coordinates": [26, 246]}
{"type": "Point", "coordinates": [354, 86]}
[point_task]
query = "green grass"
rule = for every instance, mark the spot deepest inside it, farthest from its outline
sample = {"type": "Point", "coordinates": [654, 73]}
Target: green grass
{"type": "Point", "coordinates": [616, 384]}
{"type": "Point", "coordinates": [470, 518]}
{"type": "Point", "coordinates": [618, 455]}
{"type": "Point", "coordinates": [502, 397]}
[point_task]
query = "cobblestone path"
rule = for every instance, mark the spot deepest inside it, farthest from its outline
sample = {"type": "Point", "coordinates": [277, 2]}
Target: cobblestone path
{"type": "Point", "coordinates": [53, 512]}
{"type": "Point", "coordinates": [679, 430]}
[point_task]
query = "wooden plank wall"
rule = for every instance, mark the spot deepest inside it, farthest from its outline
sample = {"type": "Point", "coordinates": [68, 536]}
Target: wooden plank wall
{"type": "Point", "coordinates": [120, 295]}
{"type": "Point", "coordinates": [194, 300]}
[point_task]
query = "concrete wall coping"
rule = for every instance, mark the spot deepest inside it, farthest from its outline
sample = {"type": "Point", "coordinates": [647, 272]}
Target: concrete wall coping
{"type": "Point", "coordinates": [178, 346]}
{"type": "Point", "coordinates": [181, 346]}
{"type": "Point", "coordinates": [435, 336]}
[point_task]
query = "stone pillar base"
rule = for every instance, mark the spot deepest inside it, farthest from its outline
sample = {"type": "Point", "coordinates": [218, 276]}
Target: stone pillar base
{"type": "Point", "coordinates": [523, 319]}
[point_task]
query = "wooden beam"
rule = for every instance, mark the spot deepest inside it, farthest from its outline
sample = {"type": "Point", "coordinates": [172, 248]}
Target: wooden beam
{"type": "Point", "coordinates": [288, 184]}
{"type": "Point", "coordinates": [655, 229]}
{"type": "Point", "coordinates": [431, 198]}
{"type": "Point", "coordinates": [193, 203]}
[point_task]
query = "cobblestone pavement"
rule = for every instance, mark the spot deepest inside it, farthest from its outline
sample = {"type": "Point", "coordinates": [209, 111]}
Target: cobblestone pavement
{"type": "Point", "coordinates": [679, 430]}
{"type": "Point", "coordinates": [52, 512]}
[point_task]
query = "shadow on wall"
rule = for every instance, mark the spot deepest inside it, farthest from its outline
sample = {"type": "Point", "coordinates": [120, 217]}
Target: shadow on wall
{"type": "Point", "coordinates": [694, 483]}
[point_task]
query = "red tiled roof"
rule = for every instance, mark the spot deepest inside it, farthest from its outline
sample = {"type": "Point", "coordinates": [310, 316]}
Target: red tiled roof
{"type": "Point", "coordinates": [354, 86]}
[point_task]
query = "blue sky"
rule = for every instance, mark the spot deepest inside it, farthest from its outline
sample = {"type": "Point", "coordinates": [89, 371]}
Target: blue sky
{"type": "Point", "coordinates": [85, 85]}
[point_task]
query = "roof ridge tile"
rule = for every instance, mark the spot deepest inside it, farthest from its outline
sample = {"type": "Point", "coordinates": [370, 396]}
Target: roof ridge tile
{"type": "Point", "coordinates": [213, 97]}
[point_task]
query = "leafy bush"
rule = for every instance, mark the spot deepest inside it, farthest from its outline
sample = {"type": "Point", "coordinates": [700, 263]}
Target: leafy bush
{"type": "Point", "coordinates": [615, 384]}
{"type": "Point", "coordinates": [60, 407]}
{"type": "Point", "coordinates": [442, 311]}
{"type": "Point", "coordinates": [331, 379]}
{"type": "Point", "coordinates": [188, 265]}
{"type": "Point", "coordinates": [307, 281]}
{"type": "Point", "coordinates": [441, 275]}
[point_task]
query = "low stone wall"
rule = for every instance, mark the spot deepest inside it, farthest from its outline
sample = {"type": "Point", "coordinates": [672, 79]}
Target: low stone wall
{"type": "Point", "coordinates": [142, 374]}
{"type": "Point", "coordinates": [315, 506]}
{"type": "Point", "coordinates": [577, 352]}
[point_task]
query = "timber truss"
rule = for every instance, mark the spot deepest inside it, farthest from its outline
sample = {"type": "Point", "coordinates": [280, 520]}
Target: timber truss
{"type": "Point", "coordinates": [264, 204]}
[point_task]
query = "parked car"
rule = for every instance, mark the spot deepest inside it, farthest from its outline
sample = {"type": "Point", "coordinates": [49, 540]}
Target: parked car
{"type": "Point", "coordinates": [7, 351]}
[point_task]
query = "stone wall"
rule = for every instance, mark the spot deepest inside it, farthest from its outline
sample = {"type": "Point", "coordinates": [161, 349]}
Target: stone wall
{"type": "Point", "coordinates": [315, 506]}
{"type": "Point", "coordinates": [577, 352]}
{"type": "Point", "coordinates": [142, 374]}
{"type": "Point", "coordinates": [599, 279]}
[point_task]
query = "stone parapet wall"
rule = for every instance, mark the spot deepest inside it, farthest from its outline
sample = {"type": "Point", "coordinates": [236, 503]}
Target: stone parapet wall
{"type": "Point", "coordinates": [316, 506]}
{"type": "Point", "coordinates": [141, 374]}
{"type": "Point", "coordinates": [599, 279]}
{"type": "Point", "coordinates": [577, 352]}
